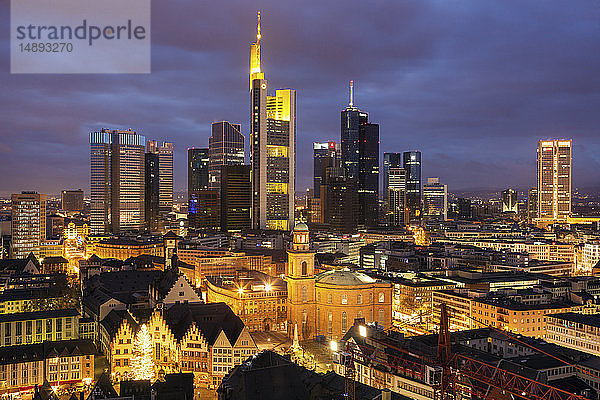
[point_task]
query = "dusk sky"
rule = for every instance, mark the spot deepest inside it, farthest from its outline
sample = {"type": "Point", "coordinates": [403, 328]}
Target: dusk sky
{"type": "Point", "coordinates": [472, 84]}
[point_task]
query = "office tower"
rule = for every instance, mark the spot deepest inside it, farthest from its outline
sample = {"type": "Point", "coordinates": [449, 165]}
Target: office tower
{"type": "Point", "coordinates": [509, 201]}
{"type": "Point", "coordinates": [532, 204]}
{"type": "Point", "coordinates": [465, 211]}
{"type": "Point", "coordinates": [28, 223]}
{"type": "Point", "coordinates": [360, 159]}
{"type": "Point", "coordinates": [326, 156]}
{"type": "Point", "coordinates": [339, 204]}
{"type": "Point", "coordinates": [397, 196]}
{"type": "Point", "coordinates": [71, 200]}
{"type": "Point", "coordinates": [203, 210]}
{"type": "Point", "coordinates": [198, 162]}
{"type": "Point", "coordinates": [390, 160]}
{"type": "Point", "coordinates": [554, 179]}
{"type": "Point", "coordinates": [152, 191]}
{"type": "Point", "coordinates": [435, 200]}
{"type": "Point", "coordinates": [165, 174]}
{"type": "Point", "coordinates": [412, 166]}
{"type": "Point", "coordinates": [236, 198]}
{"type": "Point", "coordinates": [225, 147]}
{"type": "Point", "coordinates": [117, 181]}
{"type": "Point", "coordinates": [273, 148]}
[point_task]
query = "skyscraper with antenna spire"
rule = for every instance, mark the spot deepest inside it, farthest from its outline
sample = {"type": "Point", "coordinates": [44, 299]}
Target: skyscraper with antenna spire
{"type": "Point", "coordinates": [360, 159]}
{"type": "Point", "coordinates": [272, 149]}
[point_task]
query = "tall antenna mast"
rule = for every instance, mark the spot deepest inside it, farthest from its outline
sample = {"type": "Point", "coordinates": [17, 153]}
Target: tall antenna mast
{"type": "Point", "coordinates": [351, 93]}
{"type": "Point", "coordinates": [258, 29]}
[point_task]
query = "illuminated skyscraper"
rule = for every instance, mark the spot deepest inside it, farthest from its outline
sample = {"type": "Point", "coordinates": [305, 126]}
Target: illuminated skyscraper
{"type": "Point", "coordinates": [360, 159]}
{"type": "Point", "coordinates": [28, 223]}
{"type": "Point", "coordinates": [509, 201]}
{"type": "Point", "coordinates": [235, 198]}
{"type": "Point", "coordinates": [225, 147]}
{"type": "Point", "coordinates": [326, 157]}
{"type": "Point", "coordinates": [152, 191]}
{"type": "Point", "coordinates": [554, 179]}
{"type": "Point", "coordinates": [72, 200]}
{"type": "Point", "coordinates": [532, 204]}
{"type": "Point", "coordinates": [165, 174]}
{"type": "Point", "coordinates": [412, 166]}
{"type": "Point", "coordinates": [273, 148]}
{"type": "Point", "coordinates": [198, 161]}
{"type": "Point", "coordinates": [397, 196]}
{"type": "Point", "coordinates": [390, 160]}
{"type": "Point", "coordinates": [117, 181]}
{"type": "Point", "coordinates": [435, 200]}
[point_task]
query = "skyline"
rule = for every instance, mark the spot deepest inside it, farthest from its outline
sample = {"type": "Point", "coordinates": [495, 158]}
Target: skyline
{"type": "Point", "coordinates": [448, 95]}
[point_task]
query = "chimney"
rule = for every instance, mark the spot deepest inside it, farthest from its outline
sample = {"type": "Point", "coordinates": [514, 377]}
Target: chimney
{"type": "Point", "coordinates": [386, 394]}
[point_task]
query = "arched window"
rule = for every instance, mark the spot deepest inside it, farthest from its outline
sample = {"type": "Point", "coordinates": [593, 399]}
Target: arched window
{"type": "Point", "coordinates": [344, 299]}
{"type": "Point", "coordinates": [370, 297]}
{"type": "Point", "coordinates": [381, 317]}
{"type": "Point", "coordinates": [344, 322]}
{"type": "Point", "coordinates": [304, 294]}
{"type": "Point", "coordinates": [318, 297]}
{"type": "Point", "coordinates": [318, 320]}
{"type": "Point", "coordinates": [305, 316]}
{"type": "Point", "coordinates": [359, 299]}
{"type": "Point", "coordinates": [329, 298]}
{"type": "Point", "coordinates": [381, 297]}
{"type": "Point", "coordinates": [304, 268]}
{"type": "Point", "coordinates": [329, 322]}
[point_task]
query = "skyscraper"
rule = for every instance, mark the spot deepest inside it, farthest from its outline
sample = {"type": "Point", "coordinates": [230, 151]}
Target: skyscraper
{"type": "Point", "coordinates": [72, 200]}
{"type": "Point", "coordinates": [273, 148]}
{"type": "Point", "coordinates": [28, 223]}
{"type": "Point", "coordinates": [435, 200]}
{"type": "Point", "coordinates": [225, 147]}
{"type": "Point", "coordinates": [117, 181]}
{"type": "Point", "coordinates": [396, 196]}
{"type": "Point", "coordinates": [509, 201]}
{"type": "Point", "coordinates": [412, 166]}
{"type": "Point", "coordinates": [152, 191]}
{"type": "Point", "coordinates": [390, 160]}
{"type": "Point", "coordinates": [532, 204]}
{"type": "Point", "coordinates": [554, 179]}
{"type": "Point", "coordinates": [326, 155]}
{"type": "Point", "coordinates": [236, 198]}
{"type": "Point", "coordinates": [198, 162]}
{"type": "Point", "coordinates": [165, 174]}
{"type": "Point", "coordinates": [360, 159]}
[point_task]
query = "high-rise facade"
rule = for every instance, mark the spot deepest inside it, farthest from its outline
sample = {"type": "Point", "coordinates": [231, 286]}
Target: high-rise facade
{"type": "Point", "coordinates": [28, 223]}
{"type": "Point", "coordinates": [152, 191]}
{"type": "Point", "coordinates": [236, 198]}
{"type": "Point", "coordinates": [435, 200]}
{"type": "Point", "coordinates": [554, 179]}
{"type": "Point", "coordinates": [198, 162]}
{"type": "Point", "coordinates": [225, 147]}
{"type": "Point", "coordinates": [360, 159]}
{"type": "Point", "coordinates": [327, 159]}
{"type": "Point", "coordinates": [509, 201]}
{"type": "Point", "coordinates": [165, 174]}
{"type": "Point", "coordinates": [390, 160]}
{"type": "Point", "coordinates": [396, 196]}
{"type": "Point", "coordinates": [532, 204]}
{"type": "Point", "coordinates": [71, 200]}
{"type": "Point", "coordinates": [412, 166]}
{"type": "Point", "coordinates": [273, 148]}
{"type": "Point", "coordinates": [117, 181]}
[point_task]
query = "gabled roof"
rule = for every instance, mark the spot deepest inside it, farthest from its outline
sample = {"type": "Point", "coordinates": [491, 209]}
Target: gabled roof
{"type": "Point", "coordinates": [45, 392]}
{"type": "Point", "coordinates": [17, 265]}
{"type": "Point", "coordinates": [171, 235]}
{"type": "Point", "coordinates": [114, 319]}
{"type": "Point", "coordinates": [49, 349]}
{"type": "Point", "coordinates": [209, 318]}
{"type": "Point", "coordinates": [103, 389]}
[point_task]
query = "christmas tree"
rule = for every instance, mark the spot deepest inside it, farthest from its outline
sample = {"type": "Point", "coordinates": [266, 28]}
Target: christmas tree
{"type": "Point", "coordinates": [142, 364]}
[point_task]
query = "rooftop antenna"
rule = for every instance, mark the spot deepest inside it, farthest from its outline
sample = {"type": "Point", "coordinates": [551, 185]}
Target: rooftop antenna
{"type": "Point", "coordinates": [351, 93]}
{"type": "Point", "coordinates": [258, 29]}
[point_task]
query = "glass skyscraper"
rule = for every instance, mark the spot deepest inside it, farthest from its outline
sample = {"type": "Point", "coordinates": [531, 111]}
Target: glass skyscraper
{"type": "Point", "coordinates": [390, 160]}
{"type": "Point", "coordinates": [198, 161]}
{"type": "Point", "coordinates": [164, 151]}
{"type": "Point", "coordinates": [326, 157]}
{"type": "Point", "coordinates": [225, 147]}
{"type": "Point", "coordinates": [412, 166]}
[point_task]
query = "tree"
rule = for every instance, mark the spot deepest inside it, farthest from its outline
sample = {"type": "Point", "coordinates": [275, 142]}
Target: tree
{"type": "Point", "coordinates": [142, 363]}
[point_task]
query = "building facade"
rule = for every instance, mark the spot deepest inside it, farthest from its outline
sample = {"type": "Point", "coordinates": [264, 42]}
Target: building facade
{"type": "Point", "coordinates": [236, 198]}
{"type": "Point", "coordinates": [71, 200]}
{"type": "Point", "coordinates": [152, 191]}
{"type": "Point", "coordinates": [509, 201]}
{"type": "Point", "coordinates": [396, 198]}
{"type": "Point", "coordinates": [165, 173]}
{"type": "Point", "coordinates": [554, 179]}
{"type": "Point", "coordinates": [117, 181]}
{"type": "Point", "coordinates": [28, 224]}
{"type": "Point", "coordinates": [412, 166]}
{"type": "Point", "coordinates": [225, 147]}
{"type": "Point", "coordinates": [435, 200]}
{"type": "Point", "coordinates": [390, 160]}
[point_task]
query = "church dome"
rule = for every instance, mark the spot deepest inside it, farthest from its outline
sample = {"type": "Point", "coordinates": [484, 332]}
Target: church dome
{"type": "Point", "coordinates": [344, 277]}
{"type": "Point", "coordinates": [301, 227]}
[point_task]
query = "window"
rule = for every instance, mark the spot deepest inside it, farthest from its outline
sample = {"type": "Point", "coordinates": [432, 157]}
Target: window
{"type": "Point", "coordinates": [344, 322]}
{"type": "Point", "coordinates": [304, 293]}
{"type": "Point", "coordinates": [370, 297]}
{"type": "Point", "coordinates": [329, 299]}
{"type": "Point", "coordinates": [318, 320]}
{"type": "Point", "coordinates": [304, 268]}
{"type": "Point", "coordinates": [381, 297]}
{"type": "Point", "coordinates": [344, 299]}
{"type": "Point", "coordinates": [381, 317]}
{"type": "Point", "coordinates": [329, 322]}
{"type": "Point", "coordinates": [359, 299]}
{"type": "Point", "coordinates": [304, 316]}
{"type": "Point", "coordinates": [318, 297]}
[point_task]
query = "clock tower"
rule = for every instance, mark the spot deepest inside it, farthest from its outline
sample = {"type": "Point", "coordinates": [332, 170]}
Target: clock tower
{"type": "Point", "coordinates": [300, 278]}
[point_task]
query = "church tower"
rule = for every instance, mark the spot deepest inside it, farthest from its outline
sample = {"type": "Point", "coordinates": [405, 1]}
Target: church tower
{"type": "Point", "coordinates": [300, 278]}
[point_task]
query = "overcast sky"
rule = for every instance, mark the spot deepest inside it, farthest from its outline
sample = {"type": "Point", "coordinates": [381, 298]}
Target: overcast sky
{"type": "Point", "coordinates": [472, 84]}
